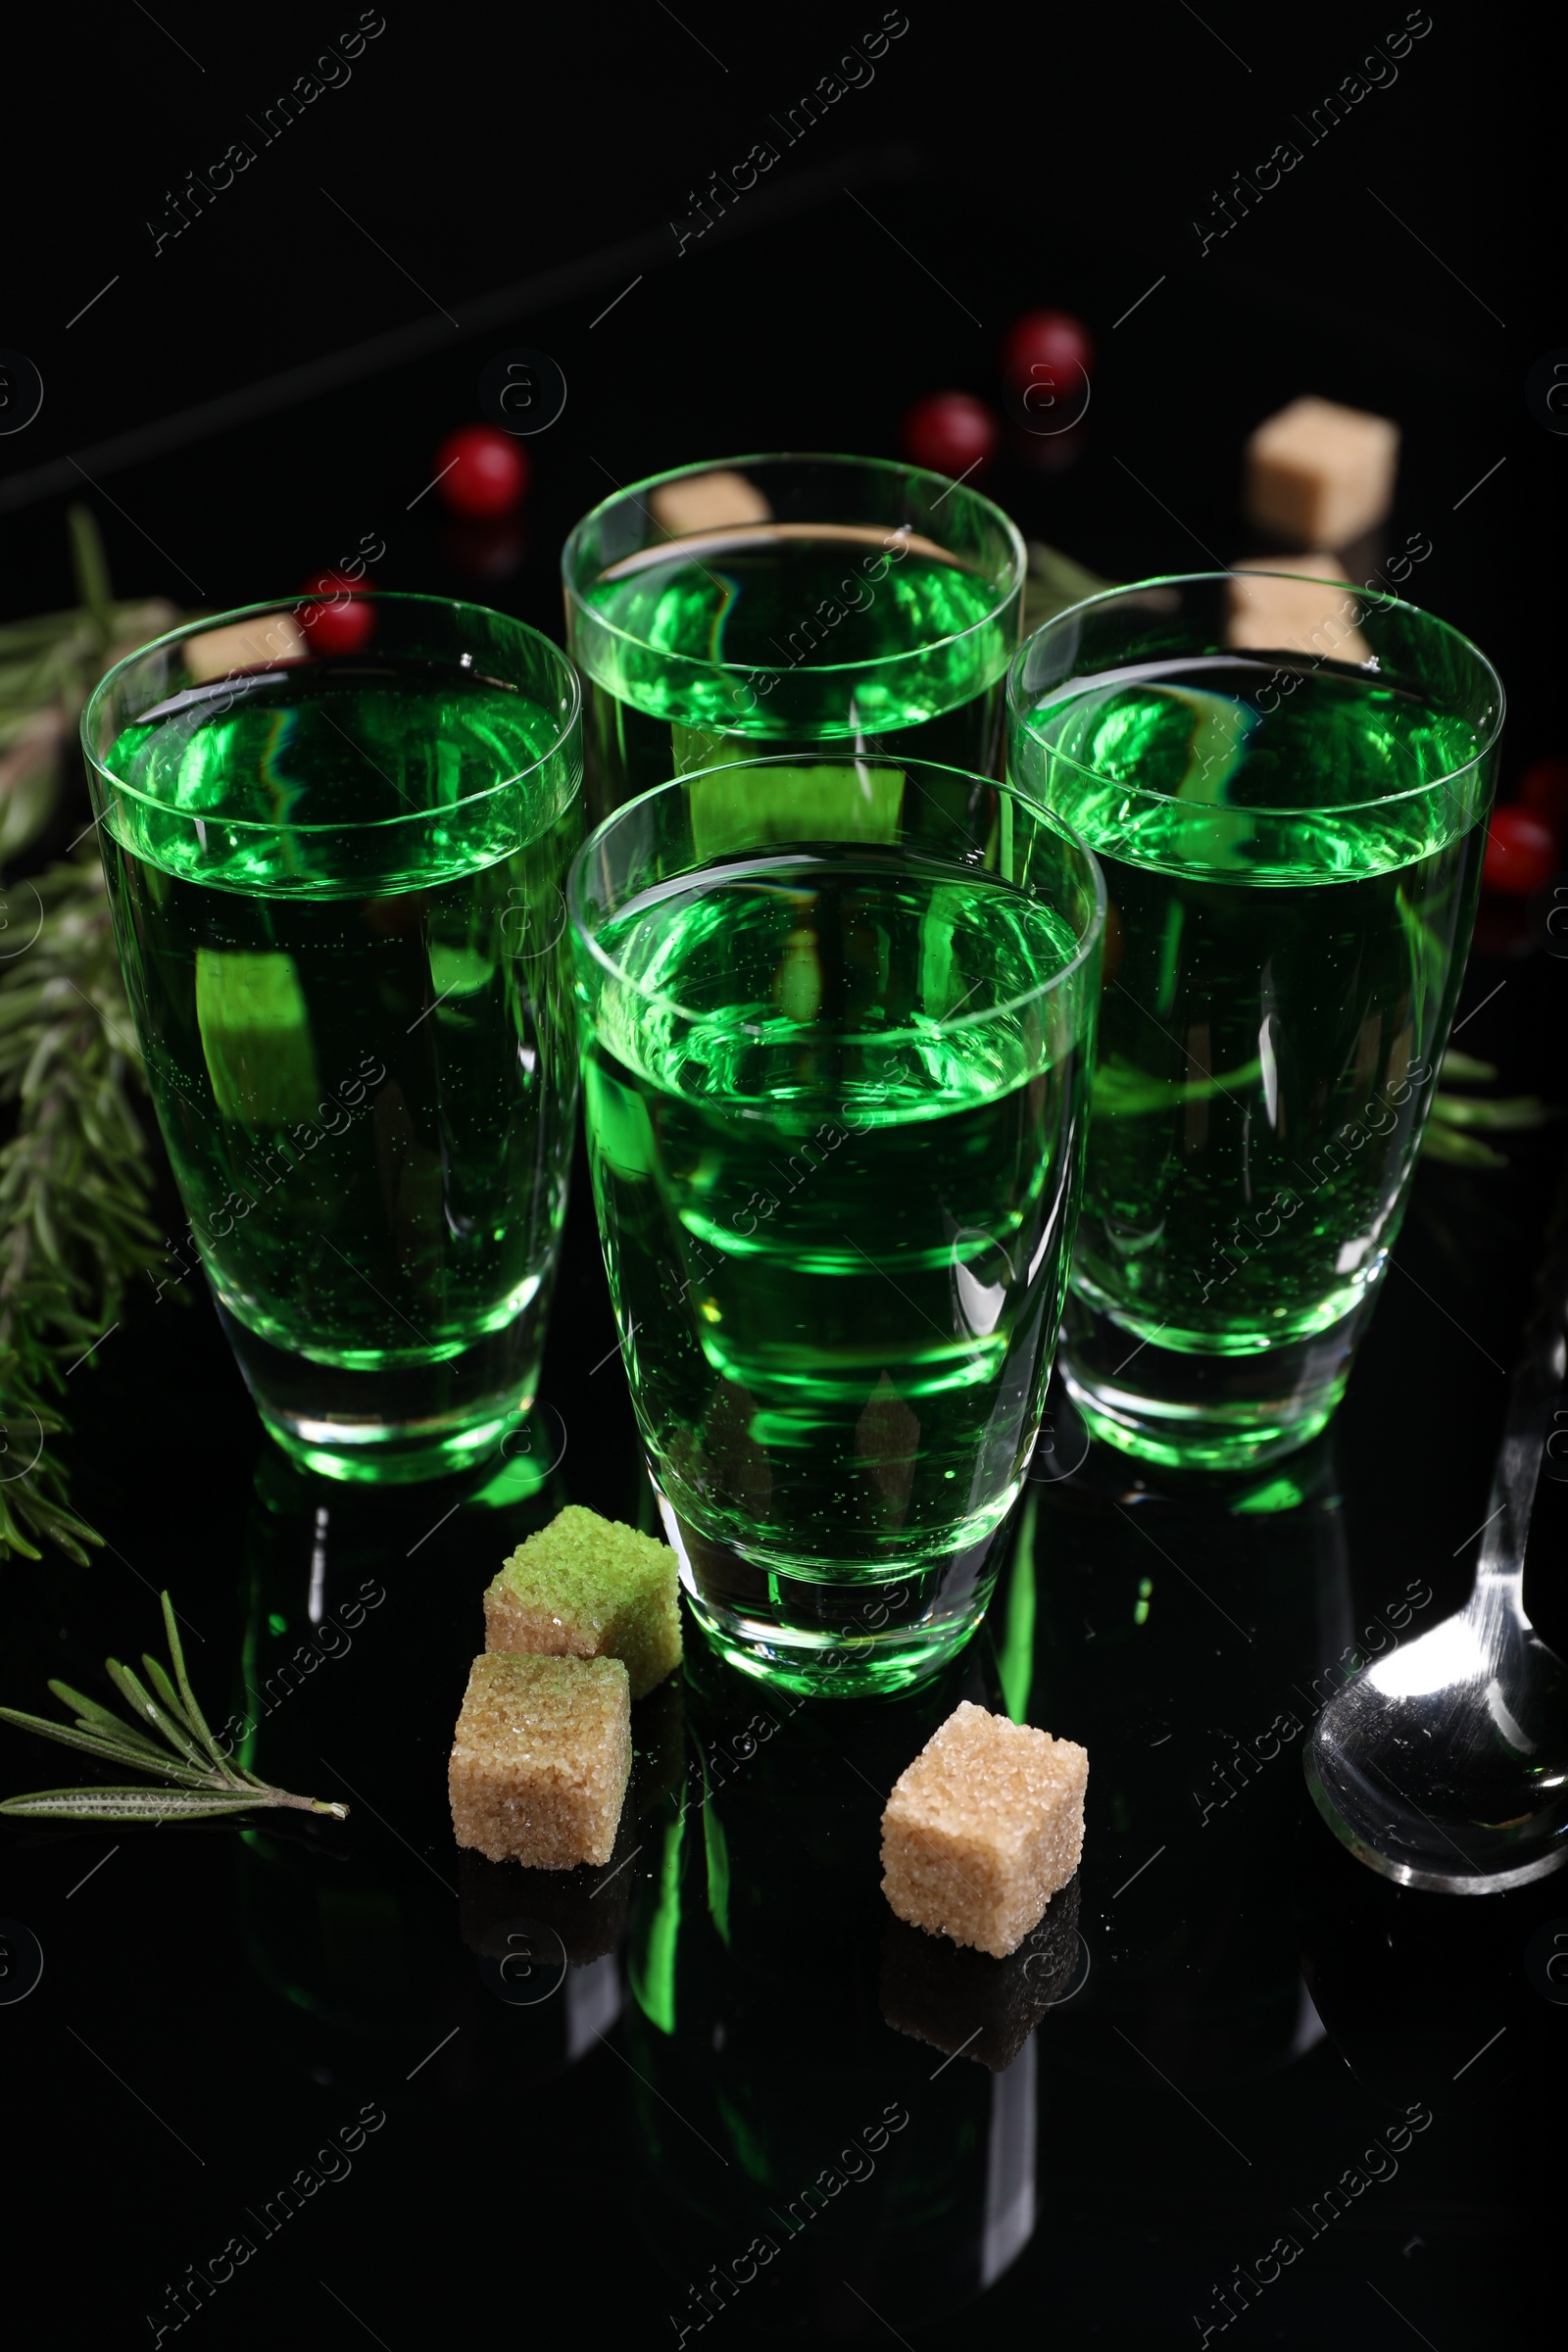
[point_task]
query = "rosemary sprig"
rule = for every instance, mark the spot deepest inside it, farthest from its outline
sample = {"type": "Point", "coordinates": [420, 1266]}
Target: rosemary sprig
{"type": "Point", "coordinates": [203, 1781]}
{"type": "Point", "coordinates": [75, 1182]}
{"type": "Point", "coordinates": [76, 1174]}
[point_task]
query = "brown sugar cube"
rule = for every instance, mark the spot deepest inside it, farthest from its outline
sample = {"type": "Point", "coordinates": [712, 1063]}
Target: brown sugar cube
{"type": "Point", "coordinates": [708, 502]}
{"type": "Point", "coordinates": [1306, 613]}
{"type": "Point", "coordinates": [244, 645]}
{"type": "Point", "coordinates": [588, 1588]}
{"type": "Point", "coordinates": [982, 1830]}
{"type": "Point", "coordinates": [541, 1758]}
{"type": "Point", "coordinates": [1319, 473]}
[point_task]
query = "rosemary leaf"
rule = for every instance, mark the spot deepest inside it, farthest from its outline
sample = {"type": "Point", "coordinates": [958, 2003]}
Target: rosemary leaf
{"type": "Point", "coordinates": [1464, 1068]}
{"type": "Point", "coordinates": [168, 1696]}
{"type": "Point", "coordinates": [1459, 1151]}
{"type": "Point", "coordinates": [193, 1714]}
{"type": "Point", "coordinates": [13, 1540]}
{"type": "Point", "coordinates": [106, 1751]}
{"type": "Point", "coordinates": [130, 1687]}
{"type": "Point", "coordinates": [1504, 1111]}
{"type": "Point", "coordinates": [91, 568]}
{"type": "Point", "coordinates": [91, 1717]}
{"type": "Point", "coordinates": [130, 1804]}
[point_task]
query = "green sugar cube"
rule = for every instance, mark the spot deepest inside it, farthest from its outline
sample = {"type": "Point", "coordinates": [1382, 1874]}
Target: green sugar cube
{"type": "Point", "coordinates": [588, 1588]}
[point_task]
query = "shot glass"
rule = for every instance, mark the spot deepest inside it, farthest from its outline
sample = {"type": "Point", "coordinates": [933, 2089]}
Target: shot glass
{"type": "Point", "coordinates": [767, 604]}
{"type": "Point", "coordinates": [336, 886]}
{"type": "Point", "coordinates": [1291, 837]}
{"type": "Point", "coordinates": [835, 1094]}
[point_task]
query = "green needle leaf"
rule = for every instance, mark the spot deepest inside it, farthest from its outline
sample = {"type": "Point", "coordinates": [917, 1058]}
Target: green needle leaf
{"type": "Point", "coordinates": [193, 1714]}
{"type": "Point", "coordinates": [1460, 1151]}
{"type": "Point", "coordinates": [145, 1705]}
{"type": "Point", "coordinates": [1501, 1112]}
{"type": "Point", "coordinates": [126, 1805]}
{"type": "Point", "coordinates": [166, 1694]}
{"type": "Point", "coordinates": [91, 1717]}
{"type": "Point", "coordinates": [91, 568]}
{"type": "Point", "coordinates": [1460, 1067]}
{"type": "Point", "coordinates": [107, 1751]}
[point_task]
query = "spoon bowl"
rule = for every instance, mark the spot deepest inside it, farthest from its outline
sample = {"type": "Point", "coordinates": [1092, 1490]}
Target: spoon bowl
{"type": "Point", "coordinates": [1446, 1763]}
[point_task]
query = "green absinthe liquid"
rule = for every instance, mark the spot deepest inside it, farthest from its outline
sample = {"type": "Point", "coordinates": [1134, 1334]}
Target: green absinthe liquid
{"type": "Point", "coordinates": [1281, 969]}
{"type": "Point", "coordinates": [833, 1215]}
{"type": "Point", "coordinates": [340, 944]}
{"type": "Point", "coordinates": [837, 634]}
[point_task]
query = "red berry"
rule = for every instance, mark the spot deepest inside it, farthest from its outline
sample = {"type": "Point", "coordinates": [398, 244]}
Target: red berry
{"type": "Point", "coordinates": [1543, 790]}
{"type": "Point", "coordinates": [344, 622]}
{"type": "Point", "coordinates": [482, 471]}
{"type": "Point", "coordinates": [950, 432]}
{"type": "Point", "coordinates": [1521, 854]}
{"type": "Point", "coordinates": [1050, 339]}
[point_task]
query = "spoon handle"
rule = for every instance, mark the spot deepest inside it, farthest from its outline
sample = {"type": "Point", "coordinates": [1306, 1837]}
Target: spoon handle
{"type": "Point", "coordinates": [1533, 1404]}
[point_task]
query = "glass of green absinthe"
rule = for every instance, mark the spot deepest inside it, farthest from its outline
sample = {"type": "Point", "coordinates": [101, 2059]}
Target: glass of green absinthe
{"type": "Point", "coordinates": [836, 1019]}
{"type": "Point", "coordinates": [777, 603]}
{"type": "Point", "coordinates": [336, 884]}
{"type": "Point", "coordinates": [1291, 839]}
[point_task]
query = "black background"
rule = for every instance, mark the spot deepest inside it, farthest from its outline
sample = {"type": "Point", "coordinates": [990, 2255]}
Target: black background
{"type": "Point", "coordinates": [213, 2006]}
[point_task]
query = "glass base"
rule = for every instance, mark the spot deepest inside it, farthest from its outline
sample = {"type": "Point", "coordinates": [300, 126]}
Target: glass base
{"type": "Point", "coordinates": [1203, 1412]}
{"type": "Point", "coordinates": [407, 1424]}
{"type": "Point", "coordinates": [867, 1634]}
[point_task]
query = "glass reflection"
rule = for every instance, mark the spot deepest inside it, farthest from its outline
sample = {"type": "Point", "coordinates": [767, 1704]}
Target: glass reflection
{"type": "Point", "coordinates": [837, 2116]}
{"type": "Point", "coordinates": [1186, 1634]}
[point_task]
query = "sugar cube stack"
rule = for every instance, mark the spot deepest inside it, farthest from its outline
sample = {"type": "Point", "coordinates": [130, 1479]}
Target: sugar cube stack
{"type": "Point", "coordinates": [588, 1588]}
{"type": "Point", "coordinates": [541, 1759]}
{"type": "Point", "coordinates": [982, 1829]}
{"type": "Point", "coordinates": [1321, 473]}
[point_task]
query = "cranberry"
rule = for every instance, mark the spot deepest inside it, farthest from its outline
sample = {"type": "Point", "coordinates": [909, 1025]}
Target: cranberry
{"type": "Point", "coordinates": [1049, 339]}
{"type": "Point", "coordinates": [950, 432]}
{"type": "Point", "coordinates": [344, 622]}
{"type": "Point", "coordinates": [1521, 854]}
{"type": "Point", "coordinates": [1543, 791]}
{"type": "Point", "coordinates": [481, 471]}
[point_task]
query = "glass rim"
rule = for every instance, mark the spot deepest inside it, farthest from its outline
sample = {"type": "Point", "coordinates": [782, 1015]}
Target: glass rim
{"type": "Point", "coordinates": [1088, 942]}
{"type": "Point", "coordinates": [1375, 599]}
{"type": "Point", "coordinates": [291, 605]}
{"type": "Point", "coordinates": [1017, 570]}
